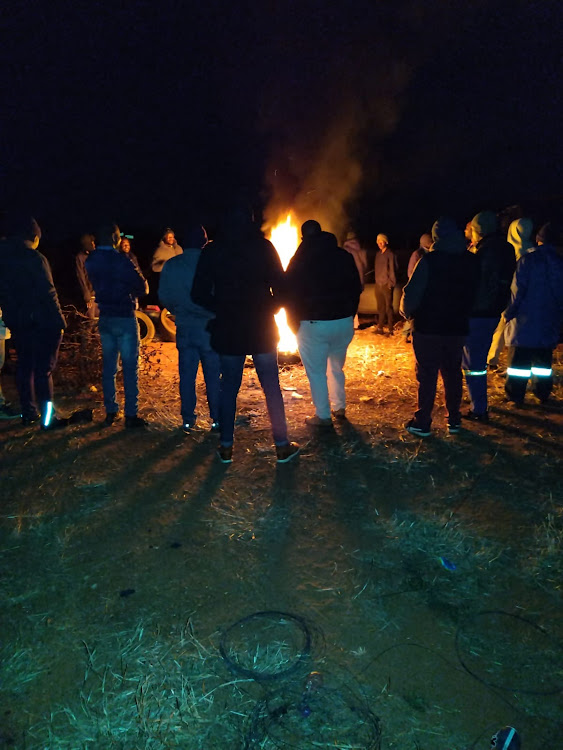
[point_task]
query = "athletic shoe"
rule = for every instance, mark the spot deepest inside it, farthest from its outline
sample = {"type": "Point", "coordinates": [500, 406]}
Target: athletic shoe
{"type": "Point", "coordinates": [473, 417]}
{"type": "Point", "coordinates": [8, 412]}
{"type": "Point", "coordinates": [81, 416]}
{"type": "Point", "coordinates": [339, 414]}
{"type": "Point", "coordinates": [414, 429]}
{"type": "Point", "coordinates": [132, 423]}
{"type": "Point", "coordinates": [55, 423]}
{"type": "Point", "coordinates": [29, 420]}
{"type": "Point", "coordinates": [506, 738]}
{"type": "Point", "coordinates": [215, 427]}
{"type": "Point", "coordinates": [454, 428]}
{"type": "Point", "coordinates": [316, 421]}
{"type": "Point", "coordinates": [188, 426]}
{"type": "Point", "coordinates": [225, 453]}
{"type": "Point", "coordinates": [111, 417]}
{"type": "Point", "coordinates": [286, 452]}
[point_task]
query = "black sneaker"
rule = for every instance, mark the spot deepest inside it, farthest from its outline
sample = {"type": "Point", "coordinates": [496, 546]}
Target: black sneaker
{"type": "Point", "coordinates": [215, 427]}
{"type": "Point", "coordinates": [188, 426]}
{"type": "Point", "coordinates": [55, 423]}
{"type": "Point", "coordinates": [81, 416]}
{"type": "Point", "coordinates": [454, 427]}
{"type": "Point", "coordinates": [8, 412]}
{"type": "Point", "coordinates": [412, 427]}
{"type": "Point", "coordinates": [30, 419]}
{"type": "Point", "coordinates": [474, 417]}
{"type": "Point", "coordinates": [132, 423]}
{"type": "Point", "coordinates": [225, 453]}
{"type": "Point", "coordinates": [285, 453]}
{"type": "Point", "coordinates": [111, 417]}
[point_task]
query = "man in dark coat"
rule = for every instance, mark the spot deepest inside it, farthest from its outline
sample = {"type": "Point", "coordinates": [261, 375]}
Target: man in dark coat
{"type": "Point", "coordinates": [323, 288]}
{"type": "Point", "coordinates": [385, 281]}
{"type": "Point", "coordinates": [496, 269]}
{"type": "Point", "coordinates": [117, 283]}
{"type": "Point", "coordinates": [31, 309]}
{"type": "Point", "coordinates": [438, 300]}
{"type": "Point", "coordinates": [239, 278]}
{"type": "Point", "coordinates": [534, 317]}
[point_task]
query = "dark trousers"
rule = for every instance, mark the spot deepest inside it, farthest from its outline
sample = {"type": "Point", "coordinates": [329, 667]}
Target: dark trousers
{"type": "Point", "coordinates": [384, 297]}
{"type": "Point", "coordinates": [438, 354]}
{"type": "Point", "coordinates": [266, 365]}
{"type": "Point", "coordinates": [37, 351]}
{"type": "Point", "coordinates": [525, 363]}
{"type": "Point", "coordinates": [474, 363]}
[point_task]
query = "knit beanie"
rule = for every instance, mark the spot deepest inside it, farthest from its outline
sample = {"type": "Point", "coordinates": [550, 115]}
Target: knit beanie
{"type": "Point", "coordinates": [383, 237]}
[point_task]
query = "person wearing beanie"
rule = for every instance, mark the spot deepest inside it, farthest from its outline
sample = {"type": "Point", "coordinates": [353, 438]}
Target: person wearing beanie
{"type": "Point", "coordinates": [520, 237]}
{"type": "Point", "coordinates": [385, 280]}
{"type": "Point", "coordinates": [496, 269]}
{"type": "Point", "coordinates": [31, 310]}
{"type": "Point", "coordinates": [125, 248]}
{"type": "Point", "coordinates": [117, 283]}
{"type": "Point", "coordinates": [534, 318]}
{"type": "Point", "coordinates": [323, 288]}
{"type": "Point", "coordinates": [193, 340]}
{"type": "Point", "coordinates": [437, 301]}
{"type": "Point", "coordinates": [167, 249]}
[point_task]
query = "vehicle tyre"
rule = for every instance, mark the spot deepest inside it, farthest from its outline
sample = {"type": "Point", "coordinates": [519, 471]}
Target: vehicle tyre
{"type": "Point", "coordinates": [168, 325]}
{"type": "Point", "coordinates": [146, 327]}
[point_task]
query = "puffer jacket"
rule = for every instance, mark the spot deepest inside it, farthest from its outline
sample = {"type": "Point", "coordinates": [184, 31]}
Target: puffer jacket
{"type": "Point", "coordinates": [535, 313]}
{"type": "Point", "coordinates": [117, 282]}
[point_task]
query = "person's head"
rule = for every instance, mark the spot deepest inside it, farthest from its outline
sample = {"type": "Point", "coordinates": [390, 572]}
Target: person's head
{"type": "Point", "coordinates": [548, 234]}
{"type": "Point", "coordinates": [125, 246]}
{"type": "Point", "coordinates": [169, 238]}
{"type": "Point", "coordinates": [108, 235]}
{"type": "Point", "coordinates": [426, 241]}
{"type": "Point", "coordinates": [310, 228]}
{"type": "Point", "coordinates": [87, 243]}
{"type": "Point", "coordinates": [443, 227]}
{"type": "Point", "coordinates": [382, 242]}
{"type": "Point", "coordinates": [483, 224]}
{"type": "Point", "coordinates": [23, 227]}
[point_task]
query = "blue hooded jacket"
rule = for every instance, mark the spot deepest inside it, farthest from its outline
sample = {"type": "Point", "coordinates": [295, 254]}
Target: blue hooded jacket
{"type": "Point", "coordinates": [117, 282]}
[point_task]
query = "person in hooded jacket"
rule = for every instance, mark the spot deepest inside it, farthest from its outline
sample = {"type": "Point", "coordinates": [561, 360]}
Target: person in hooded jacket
{"type": "Point", "coordinates": [520, 237]}
{"type": "Point", "coordinates": [534, 318]}
{"type": "Point", "coordinates": [425, 245]}
{"type": "Point", "coordinates": [323, 289]}
{"type": "Point", "coordinates": [117, 284]}
{"type": "Point", "coordinates": [192, 337]}
{"type": "Point", "coordinates": [239, 278]}
{"type": "Point", "coordinates": [167, 248]}
{"type": "Point", "coordinates": [496, 269]}
{"type": "Point", "coordinates": [437, 300]}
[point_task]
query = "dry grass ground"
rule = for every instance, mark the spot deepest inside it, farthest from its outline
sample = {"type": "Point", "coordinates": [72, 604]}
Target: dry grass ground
{"type": "Point", "coordinates": [425, 573]}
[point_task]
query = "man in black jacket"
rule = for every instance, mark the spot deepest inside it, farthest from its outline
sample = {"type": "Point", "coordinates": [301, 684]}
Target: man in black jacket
{"type": "Point", "coordinates": [438, 300]}
{"type": "Point", "coordinates": [323, 289]}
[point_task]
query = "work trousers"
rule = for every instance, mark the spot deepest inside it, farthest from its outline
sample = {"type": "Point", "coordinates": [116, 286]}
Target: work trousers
{"type": "Point", "coordinates": [193, 344]}
{"type": "Point", "coordinates": [37, 350]}
{"type": "Point", "coordinates": [525, 363]}
{"type": "Point", "coordinates": [384, 298]}
{"type": "Point", "coordinates": [474, 360]}
{"type": "Point", "coordinates": [438, 354]}
{"type": "Point", "coordinates": [322, 346]}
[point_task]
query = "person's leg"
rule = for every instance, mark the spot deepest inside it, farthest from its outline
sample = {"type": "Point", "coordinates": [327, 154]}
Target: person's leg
{"type": "Point", "coordinates": [427, 354]}
{"type": "Point", "coordinates": [24, 345]}
{"type": "Point", "coordinates": [266, 365]}
{"type": "Point", "coordinates": [518, 373]}
{"type": "Point", "coordinates": [342, 333]}
{"type": "Point", "coordinates": [188, 363]}
{"type": "Point", "coordinates": [46, 351]}
{"type": "Point", "coordinates": [450, 368]}
{"type": "Point", "coordinates": [474, 362]}
{"type": "Point", "coordinates": [232, 366]}
{"type": "Point", "coordinates": [211, 367]}
{"type": "Point", "coordinates": [129, 341]}
{"type": "Point", "coordinates": [313, 349]}
{"type": "Point", "coordinates": [110, 352]}
{"type": "Point", "coordinates": [2, 360]}
{"type": "Point", "coordinates": [389, 317]}
{"type": "Point", "coordinates": [542, 374]}
{"type": "Point", "coordinates": [379, 292]}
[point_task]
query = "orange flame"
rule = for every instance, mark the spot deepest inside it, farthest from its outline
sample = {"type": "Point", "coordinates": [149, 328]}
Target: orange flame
{"type": "Point", "coordinates": [285, 238]}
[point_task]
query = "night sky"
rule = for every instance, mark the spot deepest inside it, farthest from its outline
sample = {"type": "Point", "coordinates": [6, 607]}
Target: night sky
{"type": "Point", "coordinates": [377, 114]}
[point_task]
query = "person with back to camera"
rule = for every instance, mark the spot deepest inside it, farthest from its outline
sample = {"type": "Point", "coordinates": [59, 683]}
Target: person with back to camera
{"type": "Point", "coordinates": [192, 337]}
{"type": "Point", "coordinates": [385, 281]}
{"type": "Point", "coordinates": [117, 284]}
{"type": "Point", "coordinates": [323, 287]}
{"type": "Point", "coordinates": [239, 278]}
{"type": "Point", "coordinates": [425, 245]}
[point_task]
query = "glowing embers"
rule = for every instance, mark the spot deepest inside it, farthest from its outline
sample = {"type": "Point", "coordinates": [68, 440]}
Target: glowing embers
{"type": "Point", "coordinates": [285, 238]}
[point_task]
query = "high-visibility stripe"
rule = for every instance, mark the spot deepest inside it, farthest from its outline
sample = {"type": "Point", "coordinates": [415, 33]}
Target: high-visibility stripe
{"type": "Point", "coordinates": [542, 372]}
{"type": "Point", "coordinates": [475, 372]}
{"type": "Point", "coordinates": [48, 414]}
{"type": "Point", "coordinates": [516, 372]}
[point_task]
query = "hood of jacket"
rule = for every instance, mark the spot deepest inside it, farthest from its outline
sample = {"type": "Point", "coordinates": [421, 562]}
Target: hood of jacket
{"type": "Point", "coordinates": [520, 236]}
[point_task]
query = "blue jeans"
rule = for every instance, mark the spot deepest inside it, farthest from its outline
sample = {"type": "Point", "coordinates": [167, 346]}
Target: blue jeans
{"type": "Point", "coordinates": [120, 336]}
{"type": "Point", "coordinates": [37, 352]}
{"type": "Point", "coordinates": [474, 362]}
{"type": "Point", "coordinates": [232, 366]}
{"type": "Point", "coordinates": [192, 342]}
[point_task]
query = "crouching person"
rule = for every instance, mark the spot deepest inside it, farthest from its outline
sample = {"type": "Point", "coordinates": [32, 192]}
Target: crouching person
{"type": "Point", "coordinates": [193, 340]}
{"type": "Point", "coordinates": [117, 283]}
{"type": "Point", "coordinates": [438, 300]}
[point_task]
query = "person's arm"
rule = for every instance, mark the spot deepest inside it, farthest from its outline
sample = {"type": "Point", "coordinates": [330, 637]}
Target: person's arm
{"type": "Point", "coordinates": [161, 255]}
{"type": "Point", "coordinates": [46, 292]}
{"type": "Point", "coordinates": [393, 265]}
{"type": "Point", "coordinates": [203, 287]}
{"type": "Point", "coordinates": [414, 290]}
{"type": "Point", "coordinates": [166, 288]}
{"type": "Point", "coordinates": [137, 283]}
{"type": "Point", "coordinates": [518, 289]}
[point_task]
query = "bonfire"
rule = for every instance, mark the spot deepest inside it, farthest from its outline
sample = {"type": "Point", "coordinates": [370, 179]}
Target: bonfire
{"type": "Point", "coordinates": [285, 238]}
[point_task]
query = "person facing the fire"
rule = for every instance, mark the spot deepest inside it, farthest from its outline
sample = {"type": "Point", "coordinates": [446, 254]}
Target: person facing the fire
{"type": "Point", "coordinates": [167, 248]}
{"type": "Point", "coordinates": [438, 300]}
{"type": "Point", "coordinates": [385, 281]}
{"type": "Point", "coordinates": [323, 289]}
{"type": "Point", "coordinates": [192, 337]}
{"type": "Point", "coordinates": [239, 278]}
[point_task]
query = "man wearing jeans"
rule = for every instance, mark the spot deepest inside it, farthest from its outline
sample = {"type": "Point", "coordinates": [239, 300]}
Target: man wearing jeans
{"type": "Point", "coordinates": [323, 288]}
{"type": "Point", "coordinates": [239, 278]}
{"type": "Point", "coordinates": [117, 283]}
{"type": "Point", "coordinates": [192, 337]}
